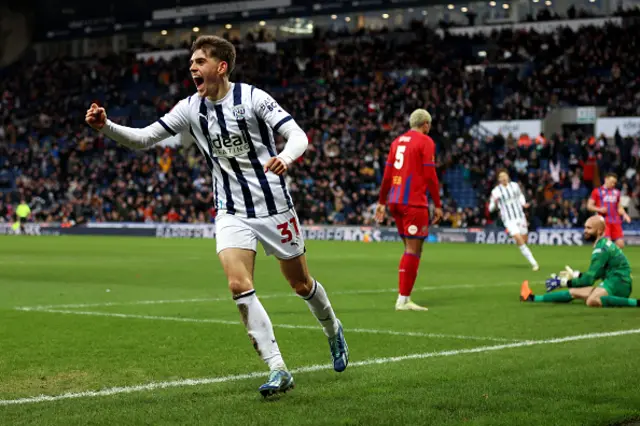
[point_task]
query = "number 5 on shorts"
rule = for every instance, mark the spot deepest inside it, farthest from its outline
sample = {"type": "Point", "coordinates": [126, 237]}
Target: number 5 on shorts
{"type": "Point", "coordinates": [285, 232]}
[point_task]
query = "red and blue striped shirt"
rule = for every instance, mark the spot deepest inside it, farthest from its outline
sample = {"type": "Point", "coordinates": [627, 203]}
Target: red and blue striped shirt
{"type": "Point", "coordinates": [609, 198]}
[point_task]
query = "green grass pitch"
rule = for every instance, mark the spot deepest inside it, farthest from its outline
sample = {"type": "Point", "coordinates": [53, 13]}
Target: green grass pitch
{"type": "Point", "coordinates": [74, 320]}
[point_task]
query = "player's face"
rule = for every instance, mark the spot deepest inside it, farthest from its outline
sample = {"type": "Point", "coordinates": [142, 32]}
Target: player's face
{"type": "Point", "coordinates": [610, 182]}
{"type": "Point", "coordinates": [207, 72]}
{"type": "Point", "coordinates": [503, 178]}
{"type": "Point", "coordinates": [589, 233]}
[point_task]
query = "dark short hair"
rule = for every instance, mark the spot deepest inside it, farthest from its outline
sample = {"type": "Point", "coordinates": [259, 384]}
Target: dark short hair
{"type": "Point", "coordinates": [611, 174]}
{"type": "Point", "coordinates": [217, 47]}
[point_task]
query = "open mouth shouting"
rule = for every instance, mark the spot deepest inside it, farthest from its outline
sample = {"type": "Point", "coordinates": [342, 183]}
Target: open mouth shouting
{"type": "Point", "coordinates": [199, 82]}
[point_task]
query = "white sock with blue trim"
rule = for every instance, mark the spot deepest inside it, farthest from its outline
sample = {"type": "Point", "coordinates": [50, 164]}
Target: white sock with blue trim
{"type": "Point", "coordinates": [320, 307]}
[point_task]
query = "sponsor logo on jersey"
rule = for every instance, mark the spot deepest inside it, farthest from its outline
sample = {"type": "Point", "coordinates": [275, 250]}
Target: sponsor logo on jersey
{"type": "Point", "coordinates": [397, 180]}
{"type": "Point", "coordinates": [229, 146]}
{"type": "Point", "coordinates": [269, 104]}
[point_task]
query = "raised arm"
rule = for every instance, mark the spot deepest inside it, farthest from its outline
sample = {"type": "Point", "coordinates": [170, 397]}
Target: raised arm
{"type": "Point", "coordinates": [174, 122]}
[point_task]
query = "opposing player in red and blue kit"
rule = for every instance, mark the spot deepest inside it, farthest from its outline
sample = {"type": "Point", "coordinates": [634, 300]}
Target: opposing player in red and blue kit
{"type": "Point", "coordinates": [411, 171]}
{"type": "Point", "coordinates": [606, 202]}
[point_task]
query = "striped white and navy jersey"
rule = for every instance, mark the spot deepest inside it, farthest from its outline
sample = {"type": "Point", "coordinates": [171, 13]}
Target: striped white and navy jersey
{"type": "Point", "coordinates": [510, 200]}
{"type": "Point", "coordinates": [236, 136]}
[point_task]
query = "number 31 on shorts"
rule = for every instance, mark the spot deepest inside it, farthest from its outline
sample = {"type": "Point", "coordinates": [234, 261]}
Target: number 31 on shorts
{"type": "Point", "coordinates": [286, 232]}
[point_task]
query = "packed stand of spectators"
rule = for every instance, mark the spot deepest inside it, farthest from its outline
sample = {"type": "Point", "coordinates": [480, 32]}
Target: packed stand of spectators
{"type": "Point", "coordinates": [351, 93]}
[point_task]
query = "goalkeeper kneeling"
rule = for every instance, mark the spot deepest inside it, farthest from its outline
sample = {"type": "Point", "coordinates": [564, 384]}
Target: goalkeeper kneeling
{"type": "Point", "coordinates": [608, 264]}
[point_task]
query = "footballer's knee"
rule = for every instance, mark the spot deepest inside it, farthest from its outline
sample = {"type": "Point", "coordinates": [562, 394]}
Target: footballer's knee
{"type": "Point", "coordinates": [413, 247]}
{"type": "Point", "coordinates": [620, 243]}
{"type": "Point", "coordinates": [594, 302]}
{"type": "Point", "coordinates": [239, 285]}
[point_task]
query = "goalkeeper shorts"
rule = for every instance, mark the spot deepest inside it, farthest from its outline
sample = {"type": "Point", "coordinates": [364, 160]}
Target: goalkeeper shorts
{"type": "Point", "coordinates": [617, 287]}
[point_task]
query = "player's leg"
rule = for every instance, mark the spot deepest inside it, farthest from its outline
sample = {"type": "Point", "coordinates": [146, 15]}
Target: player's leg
{"type": "Point", "coordinates": [236, 244]}
{"type": "Point", "coordinates": [563, 296]}
{"type": "Point", "coordinates": [613, 293]}
{"type": "Point", "coordinates": [413, 226]}
{"type": "Point", "coordinates": [280, 235]}
{"type": "Point", "coordinates": [617, 235]}
{"type": "Point", "coordinates": [519, 233]}
{"type": "Point", "coordinates": [297, 274]}
{"type": "Point", "coordinates": [407, 274]}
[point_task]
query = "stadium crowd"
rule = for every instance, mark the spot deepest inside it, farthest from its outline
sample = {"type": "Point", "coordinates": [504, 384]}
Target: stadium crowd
{"type": "Point", "coordinates": [352, 97]}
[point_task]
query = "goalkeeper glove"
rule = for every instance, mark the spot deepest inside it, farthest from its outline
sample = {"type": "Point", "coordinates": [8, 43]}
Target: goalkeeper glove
{"type": "Point", "coordinates": [569, 273]}
{"type": "Point", "coordinates": [555, 282]}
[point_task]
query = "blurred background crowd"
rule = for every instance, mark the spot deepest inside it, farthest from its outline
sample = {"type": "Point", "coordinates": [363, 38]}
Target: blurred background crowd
{"type": "Point", "coordinates": [352, 93]}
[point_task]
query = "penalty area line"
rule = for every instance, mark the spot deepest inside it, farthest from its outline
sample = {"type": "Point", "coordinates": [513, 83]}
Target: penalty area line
{"type": "Point", "coordinates": [289, 326]}
{"type": "Point", "coordinates": [311, 368]}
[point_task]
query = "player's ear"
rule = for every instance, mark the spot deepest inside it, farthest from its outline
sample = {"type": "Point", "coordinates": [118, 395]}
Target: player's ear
{"type": "Point", "coordinates": [222, 67]}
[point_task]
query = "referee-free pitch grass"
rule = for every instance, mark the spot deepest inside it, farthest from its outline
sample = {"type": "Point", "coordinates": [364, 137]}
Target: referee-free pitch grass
{"type": "Point", "coordinates": [154, 312]}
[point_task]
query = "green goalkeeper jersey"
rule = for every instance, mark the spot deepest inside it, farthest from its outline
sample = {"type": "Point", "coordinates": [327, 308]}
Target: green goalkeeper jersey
{"type": "Point", "coordinates": [607, 262]}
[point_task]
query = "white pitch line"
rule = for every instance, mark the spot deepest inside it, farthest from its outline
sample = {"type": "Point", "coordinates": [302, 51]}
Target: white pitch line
{"type": "Point", "coordinates": [289, 326]}
{"type": "Point", "coordinates": [262, 296]}
{"type": "Point", "coordinates": [308, 369]}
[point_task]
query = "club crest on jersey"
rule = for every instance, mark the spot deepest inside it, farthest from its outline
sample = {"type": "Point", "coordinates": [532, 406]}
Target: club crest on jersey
{"type": "Point", "coordinates": [239, 112]}
{"type": "Point", "coordinates": [413, 230]}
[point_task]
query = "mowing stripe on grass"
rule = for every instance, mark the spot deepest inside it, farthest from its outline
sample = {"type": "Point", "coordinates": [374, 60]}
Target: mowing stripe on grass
{"type": "Point", "coordinates": [291, 326]}
{"type": "Point", "coordinates": [262, 296]}
{"type": "Point", "coordinates": [308, 369]}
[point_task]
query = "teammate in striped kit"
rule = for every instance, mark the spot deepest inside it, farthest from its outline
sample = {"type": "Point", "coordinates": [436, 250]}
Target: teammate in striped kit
{"type": "Point", "coordinates": [606, 202]}
{"type": "Point", "coordinates": [233, 125]}
{"type": "Point", "coordinates": [508, 198]}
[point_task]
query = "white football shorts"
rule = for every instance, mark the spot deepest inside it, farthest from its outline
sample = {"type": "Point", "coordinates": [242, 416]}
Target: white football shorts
{"type": "Point", "coordinates": [280, 235]}
{"type": "Point", "coordinates": [516, 227]}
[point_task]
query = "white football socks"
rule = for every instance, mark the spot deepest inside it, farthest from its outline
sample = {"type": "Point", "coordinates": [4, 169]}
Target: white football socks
{"type": "Point", "coordinates": [528, 255]}
{"type": "Point", "coordinates": [260, 329]}
{"type": "Point", "coordinates": [402, 299]}
{"type": "Point", "coordinates": [320, 307]}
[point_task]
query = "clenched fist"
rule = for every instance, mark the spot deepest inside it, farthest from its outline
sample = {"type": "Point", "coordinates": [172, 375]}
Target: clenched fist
{"type": "Point", "coordinates": [276, 165]}
{"type": "Point", "coordinates": [96, 117]}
